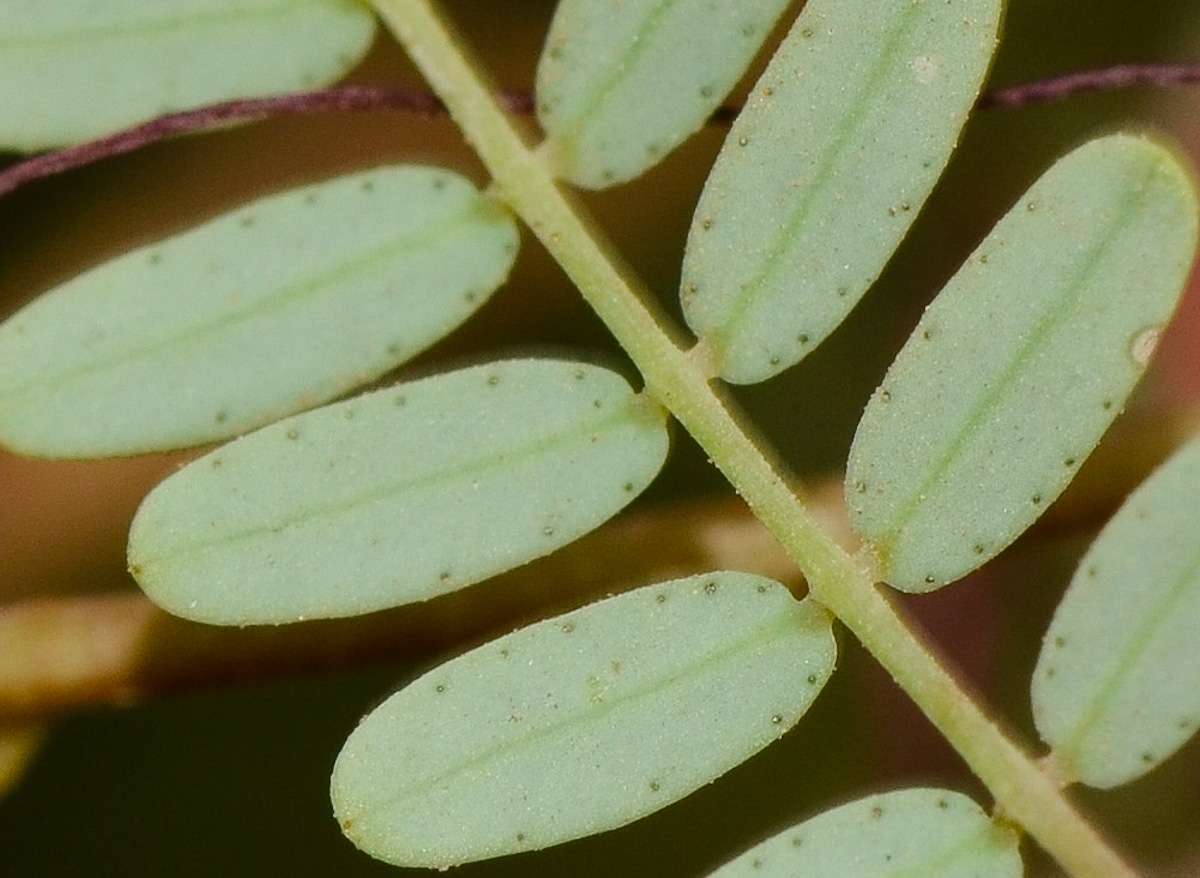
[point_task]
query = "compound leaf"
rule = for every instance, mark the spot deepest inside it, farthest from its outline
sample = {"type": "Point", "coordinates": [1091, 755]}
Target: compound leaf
{"type": "Point", "coordinates": [620, 85]}
{"type": "Point", "coordinates": [397, 496]}
{"type": "Point", "coordinates": [926, 832]}
{"type": "Point", "coordinates": [1115, 691]}
{"type": "Point", "coordinates": [72, 70]}
{"type": "Point", "coordinates": [275, 307]}
{"type": "Point", "coordinates": [842, 139]}
{"type": "Point", "coordinates": [1021, 363]}
{"type": "Point", "coordinates": [582, 723]}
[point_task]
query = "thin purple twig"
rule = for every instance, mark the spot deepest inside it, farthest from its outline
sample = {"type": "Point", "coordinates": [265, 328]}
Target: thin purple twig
{"type": "Point", "coordinates": [345, 98]}
{"type": "Point", "coordinates": [373, 98]}
{"type": "Point", "coordinates": [1108, 79]}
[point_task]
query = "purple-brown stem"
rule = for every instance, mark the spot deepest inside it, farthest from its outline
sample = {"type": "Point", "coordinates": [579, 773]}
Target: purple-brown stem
{"type": "Point", "coordinates": [347, 98]}
{"type": "Point", "coordinates": [1106, 79]}
{"type": "Point", "coordinates": [374, 98]}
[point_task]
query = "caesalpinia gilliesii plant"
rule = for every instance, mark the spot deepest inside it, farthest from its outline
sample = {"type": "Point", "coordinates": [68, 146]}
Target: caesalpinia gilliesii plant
{"type": "Point", "coordinates": [245, 329]}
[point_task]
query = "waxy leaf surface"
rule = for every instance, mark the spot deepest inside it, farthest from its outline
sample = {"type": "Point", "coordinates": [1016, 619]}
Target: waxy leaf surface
{"type": "Point", "coordinates": [925, 832]}
{"type": "Point", "coordinates": [72, 70]}
{"type": "Point", "coordinates": [275, 307]}
{"type": "Point", "coordinates": [581, 723]}
{"type": "Point", "coordinates": [620, 85]}
{"type": "Point", "coordinates": [1116, 689]}
{"type": "Point", "coordinates": [397, 496]}
{"type": "Point", "coordinates": [1021, 363]}
{"type": "Point", "coordinates": [824, 171]}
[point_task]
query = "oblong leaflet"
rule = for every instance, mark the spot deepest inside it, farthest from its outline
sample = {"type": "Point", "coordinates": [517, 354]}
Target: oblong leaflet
{"type": "Point", "coordinates": [620, 85]}
{"type": "Point", "coordinates": [274, 307]}
{"type": "Point", "coordinates": [73, 70]}
{"type": "Point", "coordinates": [581, 723]}
{"type": "Point", "coordinates": [396, 496]}
{"type": "Point", "coordinates": [823, 172]}
{"type": "Point", "coordinates": [1115, 691]}
{"type": "Point", "coordinates": [927, 832]}
{"type": "Point", "coordinates": [1021, 363]}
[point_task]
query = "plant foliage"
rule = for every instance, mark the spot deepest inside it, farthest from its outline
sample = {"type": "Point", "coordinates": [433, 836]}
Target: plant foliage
{"type": "Point", "coordinates": [397, 496]}
{"type": "Point", "coordinates": [1022, 362]}
{"type": "Point", "coordinates": [840, 143]}
{"type": "Point", "coordinates": [586, 721]}
{"type": "Point", "coordinates": [602, 65]}
{"type": "Point", "coordinates": [1114, 693]}
{"type": "Point", "coordinates": [874, 838]}
{"type": "Point", "coordinates": [583, 722]}
{"type": "Point", "coordinates": [305, 290]}
{"type": "Point", "coordinates": [77, 69]}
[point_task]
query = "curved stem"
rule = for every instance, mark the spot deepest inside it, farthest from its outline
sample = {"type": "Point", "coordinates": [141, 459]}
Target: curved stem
{"type": "Point", "coordinates": [1084, 81]}
{"type": "Point", "coordinates": [1021, 790]}
{"type": "Point", "coordinates": [344, 98]}
{"type": "Point", "coordinates": [369, 98]}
